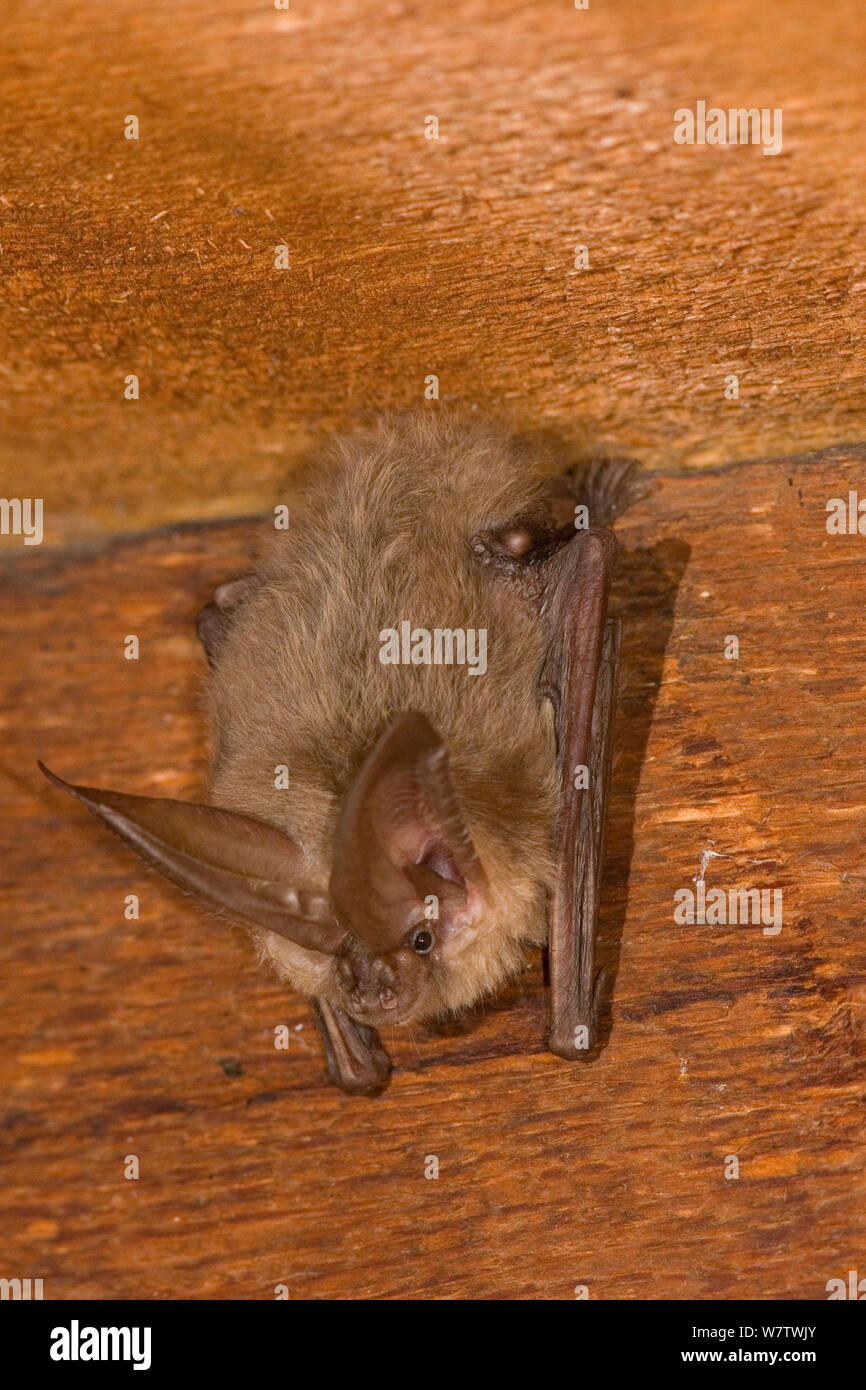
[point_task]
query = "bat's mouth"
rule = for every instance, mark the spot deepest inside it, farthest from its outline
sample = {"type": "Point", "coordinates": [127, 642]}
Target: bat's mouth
{"type": "Point", "coordinates": [389, 1013]}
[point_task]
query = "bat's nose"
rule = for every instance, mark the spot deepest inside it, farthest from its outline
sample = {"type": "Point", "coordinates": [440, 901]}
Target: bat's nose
{"type": "Point", "coordinates": [370, 982]}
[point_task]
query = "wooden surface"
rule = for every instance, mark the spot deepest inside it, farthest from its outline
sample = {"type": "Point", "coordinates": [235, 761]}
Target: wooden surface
{"type": "Point", "coordinates": [410, 256]}
{"type": "Point", "coordinates": [155, 1037]}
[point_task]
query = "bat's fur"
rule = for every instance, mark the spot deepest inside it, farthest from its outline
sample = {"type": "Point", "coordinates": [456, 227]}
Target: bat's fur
{"type": "Point", "coordinates": [380, 531]}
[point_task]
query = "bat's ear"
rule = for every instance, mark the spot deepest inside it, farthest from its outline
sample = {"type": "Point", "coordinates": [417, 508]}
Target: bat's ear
{"type": "Point", "coordinates": [236, 864]}
{"type": "Point", "coordinates": [401, 838]}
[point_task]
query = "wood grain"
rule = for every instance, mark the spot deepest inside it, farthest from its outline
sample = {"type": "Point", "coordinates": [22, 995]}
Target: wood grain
{"type": "Point", "coordinates": [155, 1037]}
{"type": "Point", "coordinates": [408, 256]}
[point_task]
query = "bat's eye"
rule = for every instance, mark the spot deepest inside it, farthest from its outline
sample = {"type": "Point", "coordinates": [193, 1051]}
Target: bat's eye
{"type": "Point", "coordinates": [422, 941]}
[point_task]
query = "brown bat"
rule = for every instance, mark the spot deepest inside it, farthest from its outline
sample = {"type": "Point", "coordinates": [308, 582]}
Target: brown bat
{"type": "Point", "coordinates": [426, 651]}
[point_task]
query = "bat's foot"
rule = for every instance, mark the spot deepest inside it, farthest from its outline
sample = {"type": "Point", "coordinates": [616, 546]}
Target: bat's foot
{"type": "Point", "coordinates": [368, 1077]}
{"type": "Point", "coordinates": [607, 487]}
{"type": "Point", "coordinates": [357, 1061]}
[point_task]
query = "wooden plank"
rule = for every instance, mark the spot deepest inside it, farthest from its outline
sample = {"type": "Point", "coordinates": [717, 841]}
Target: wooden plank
{"type": "Point", "coordinates": [409, 256]}
{"type": "Point", "coordinates": [155, 1037]}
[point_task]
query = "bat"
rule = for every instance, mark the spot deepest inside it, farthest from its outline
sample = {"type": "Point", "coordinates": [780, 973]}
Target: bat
{"type": "Point", "coordinates": [411, 709]}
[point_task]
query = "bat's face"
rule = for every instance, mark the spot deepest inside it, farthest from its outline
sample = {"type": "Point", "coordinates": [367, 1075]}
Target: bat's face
{"type": "Point", "coordinates": [389, 987]}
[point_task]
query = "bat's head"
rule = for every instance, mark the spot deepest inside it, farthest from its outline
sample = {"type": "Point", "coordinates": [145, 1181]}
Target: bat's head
{"type": "Point", "coordinates": [406, 892]}
{"type": "Point", "coordinates": [406, 882]}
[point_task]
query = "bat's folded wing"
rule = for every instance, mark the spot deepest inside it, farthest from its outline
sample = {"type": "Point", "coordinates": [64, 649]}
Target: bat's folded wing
{"type": "Point", "coordinates": [579, 678]}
